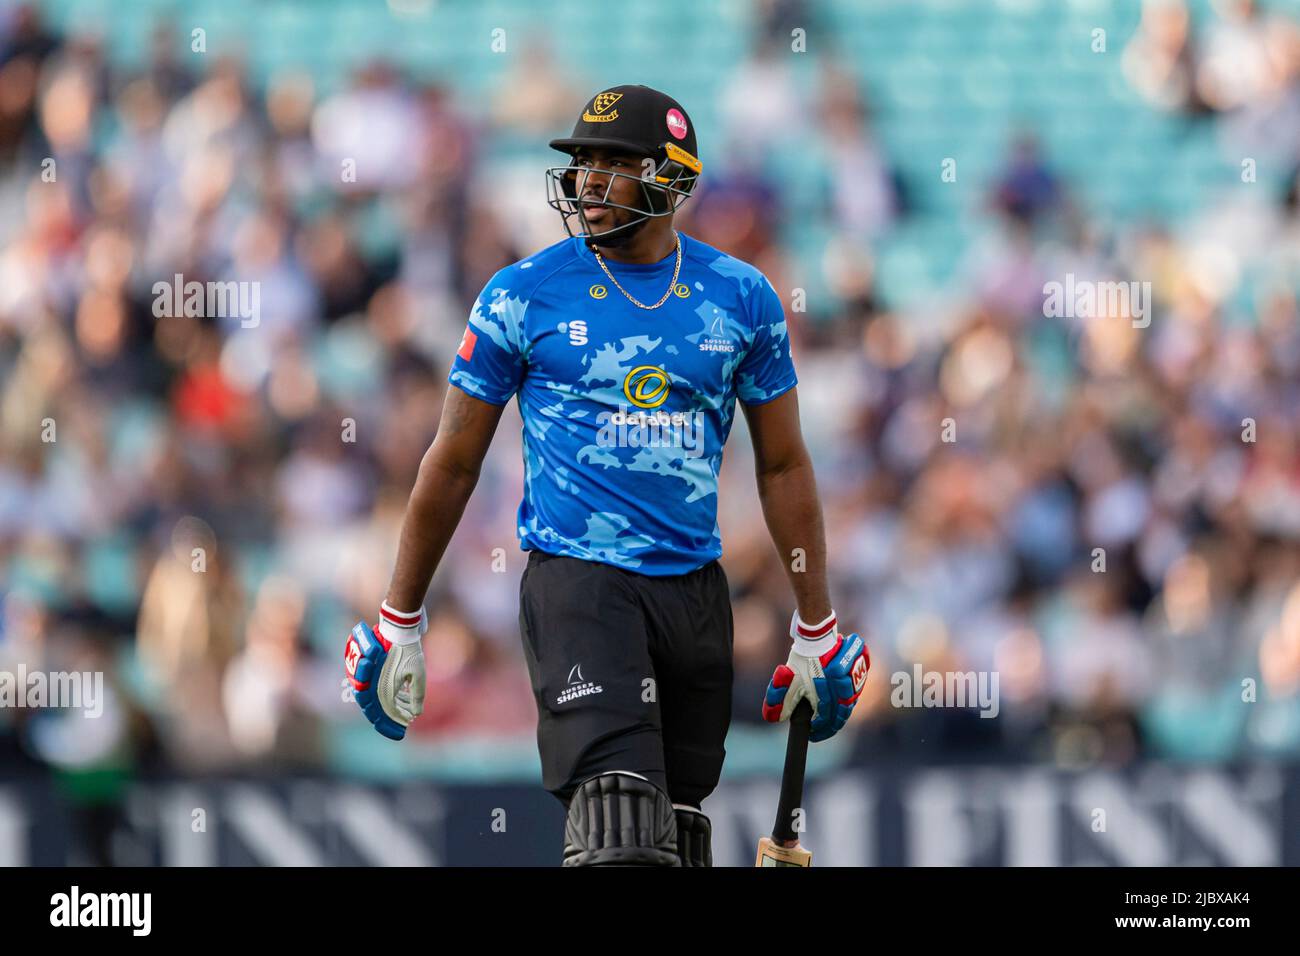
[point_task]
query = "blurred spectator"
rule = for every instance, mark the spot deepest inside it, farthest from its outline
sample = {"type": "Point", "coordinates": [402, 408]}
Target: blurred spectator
{"type": "Point", "coordinates": [1235, 69]}
{"type": "Point", "coordinates": [864, 197]}
{"type": "Point", "coordinates": [1160, 61]}
{"type": "Point", "coordinates": [535, 97]}
{"type": "Point", "coordinates": [1027, 190]}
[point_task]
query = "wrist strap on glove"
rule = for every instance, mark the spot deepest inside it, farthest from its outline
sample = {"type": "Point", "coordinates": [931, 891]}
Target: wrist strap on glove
{"type": "Point", "coordinates": [400, 627]}
{"type": "Point", "coordinates": [813, 640]}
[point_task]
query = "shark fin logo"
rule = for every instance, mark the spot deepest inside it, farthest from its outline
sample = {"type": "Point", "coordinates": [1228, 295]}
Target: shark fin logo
{"type": "Point", "coordinates": [577, 687]}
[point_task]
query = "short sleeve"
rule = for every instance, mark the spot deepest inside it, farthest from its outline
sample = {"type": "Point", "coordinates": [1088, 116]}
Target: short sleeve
{"type": "Point", "coordinates": [767, 370]}
{"type": "Point", "coordinates": [489, 362]}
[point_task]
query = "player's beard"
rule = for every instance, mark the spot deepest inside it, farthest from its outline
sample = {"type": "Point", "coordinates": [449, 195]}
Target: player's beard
{"type": "Point", "coordinates": [617, 237]}
{"type": "Point", "coordinates": [622, 233]}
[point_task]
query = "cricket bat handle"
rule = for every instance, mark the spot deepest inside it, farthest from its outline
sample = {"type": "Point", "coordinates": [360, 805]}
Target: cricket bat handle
{"type": "Point", "coordinates": [782, 847]}
{"type": "Point", "coordinates": [796, 756]}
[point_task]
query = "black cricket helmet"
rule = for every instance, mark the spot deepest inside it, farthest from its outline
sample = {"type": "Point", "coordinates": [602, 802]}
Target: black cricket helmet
{"type": "Point", "coordinates": [628, 119]}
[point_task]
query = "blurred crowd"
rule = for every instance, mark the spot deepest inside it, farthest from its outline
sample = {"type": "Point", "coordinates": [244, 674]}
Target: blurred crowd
{"type": "Point", "coordinates": [1104, 514]}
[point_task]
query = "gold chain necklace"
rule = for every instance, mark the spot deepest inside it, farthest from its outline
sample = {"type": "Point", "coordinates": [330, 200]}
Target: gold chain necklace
{"type": "Point", "coordinates": [641, 305]}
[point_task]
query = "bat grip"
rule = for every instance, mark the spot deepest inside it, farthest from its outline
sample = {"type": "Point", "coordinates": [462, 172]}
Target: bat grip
{"type": "Point", "coordinates": [796, 755]}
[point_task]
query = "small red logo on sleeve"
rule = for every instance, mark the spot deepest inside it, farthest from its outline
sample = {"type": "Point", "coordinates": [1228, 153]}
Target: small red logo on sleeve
{"type": "Point", "coordinates": [466, 350]}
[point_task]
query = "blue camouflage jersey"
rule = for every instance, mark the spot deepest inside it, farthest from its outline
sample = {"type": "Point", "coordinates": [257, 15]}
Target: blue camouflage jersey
{"type": "Point", "coordinates": [625, 410]}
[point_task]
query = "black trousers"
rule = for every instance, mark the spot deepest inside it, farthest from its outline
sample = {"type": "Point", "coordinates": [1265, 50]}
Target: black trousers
{"type": "Point", "coordinates": [629, 672]}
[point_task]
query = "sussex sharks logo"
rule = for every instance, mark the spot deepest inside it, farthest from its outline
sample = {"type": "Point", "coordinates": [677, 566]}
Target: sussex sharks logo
{"type": "Point", "coordinates": [577, 687]}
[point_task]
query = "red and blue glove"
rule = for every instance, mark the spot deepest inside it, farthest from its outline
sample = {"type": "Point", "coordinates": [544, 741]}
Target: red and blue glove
{"type": "Point", "coordinates": [826, 669]}
{"type": "Point", "coordinates": [385, 667]}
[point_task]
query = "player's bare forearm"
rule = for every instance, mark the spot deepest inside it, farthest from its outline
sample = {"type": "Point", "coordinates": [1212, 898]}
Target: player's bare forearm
{"type": "Point", "coordinates": [447, 476]}
{"type": "Point", "coordinates": [794, 518]}
{"type": "Point", "coordinates": [787, 489]}
{"type": "Point", "coordinates": [432, 514]}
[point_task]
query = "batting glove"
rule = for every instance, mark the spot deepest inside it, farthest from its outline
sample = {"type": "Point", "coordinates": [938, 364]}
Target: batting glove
{"type": "Point", "coordinates": [386, 669]}
{"type": "Point", "coordinates": [826, 669]}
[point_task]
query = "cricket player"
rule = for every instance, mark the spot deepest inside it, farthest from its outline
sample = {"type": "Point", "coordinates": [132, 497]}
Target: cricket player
{"type": "Point", "coordinates": [626, 346]}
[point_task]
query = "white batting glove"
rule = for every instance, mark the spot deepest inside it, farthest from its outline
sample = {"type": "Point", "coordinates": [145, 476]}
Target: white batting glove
{"type": "Point", "coordinates": [401, 682]}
